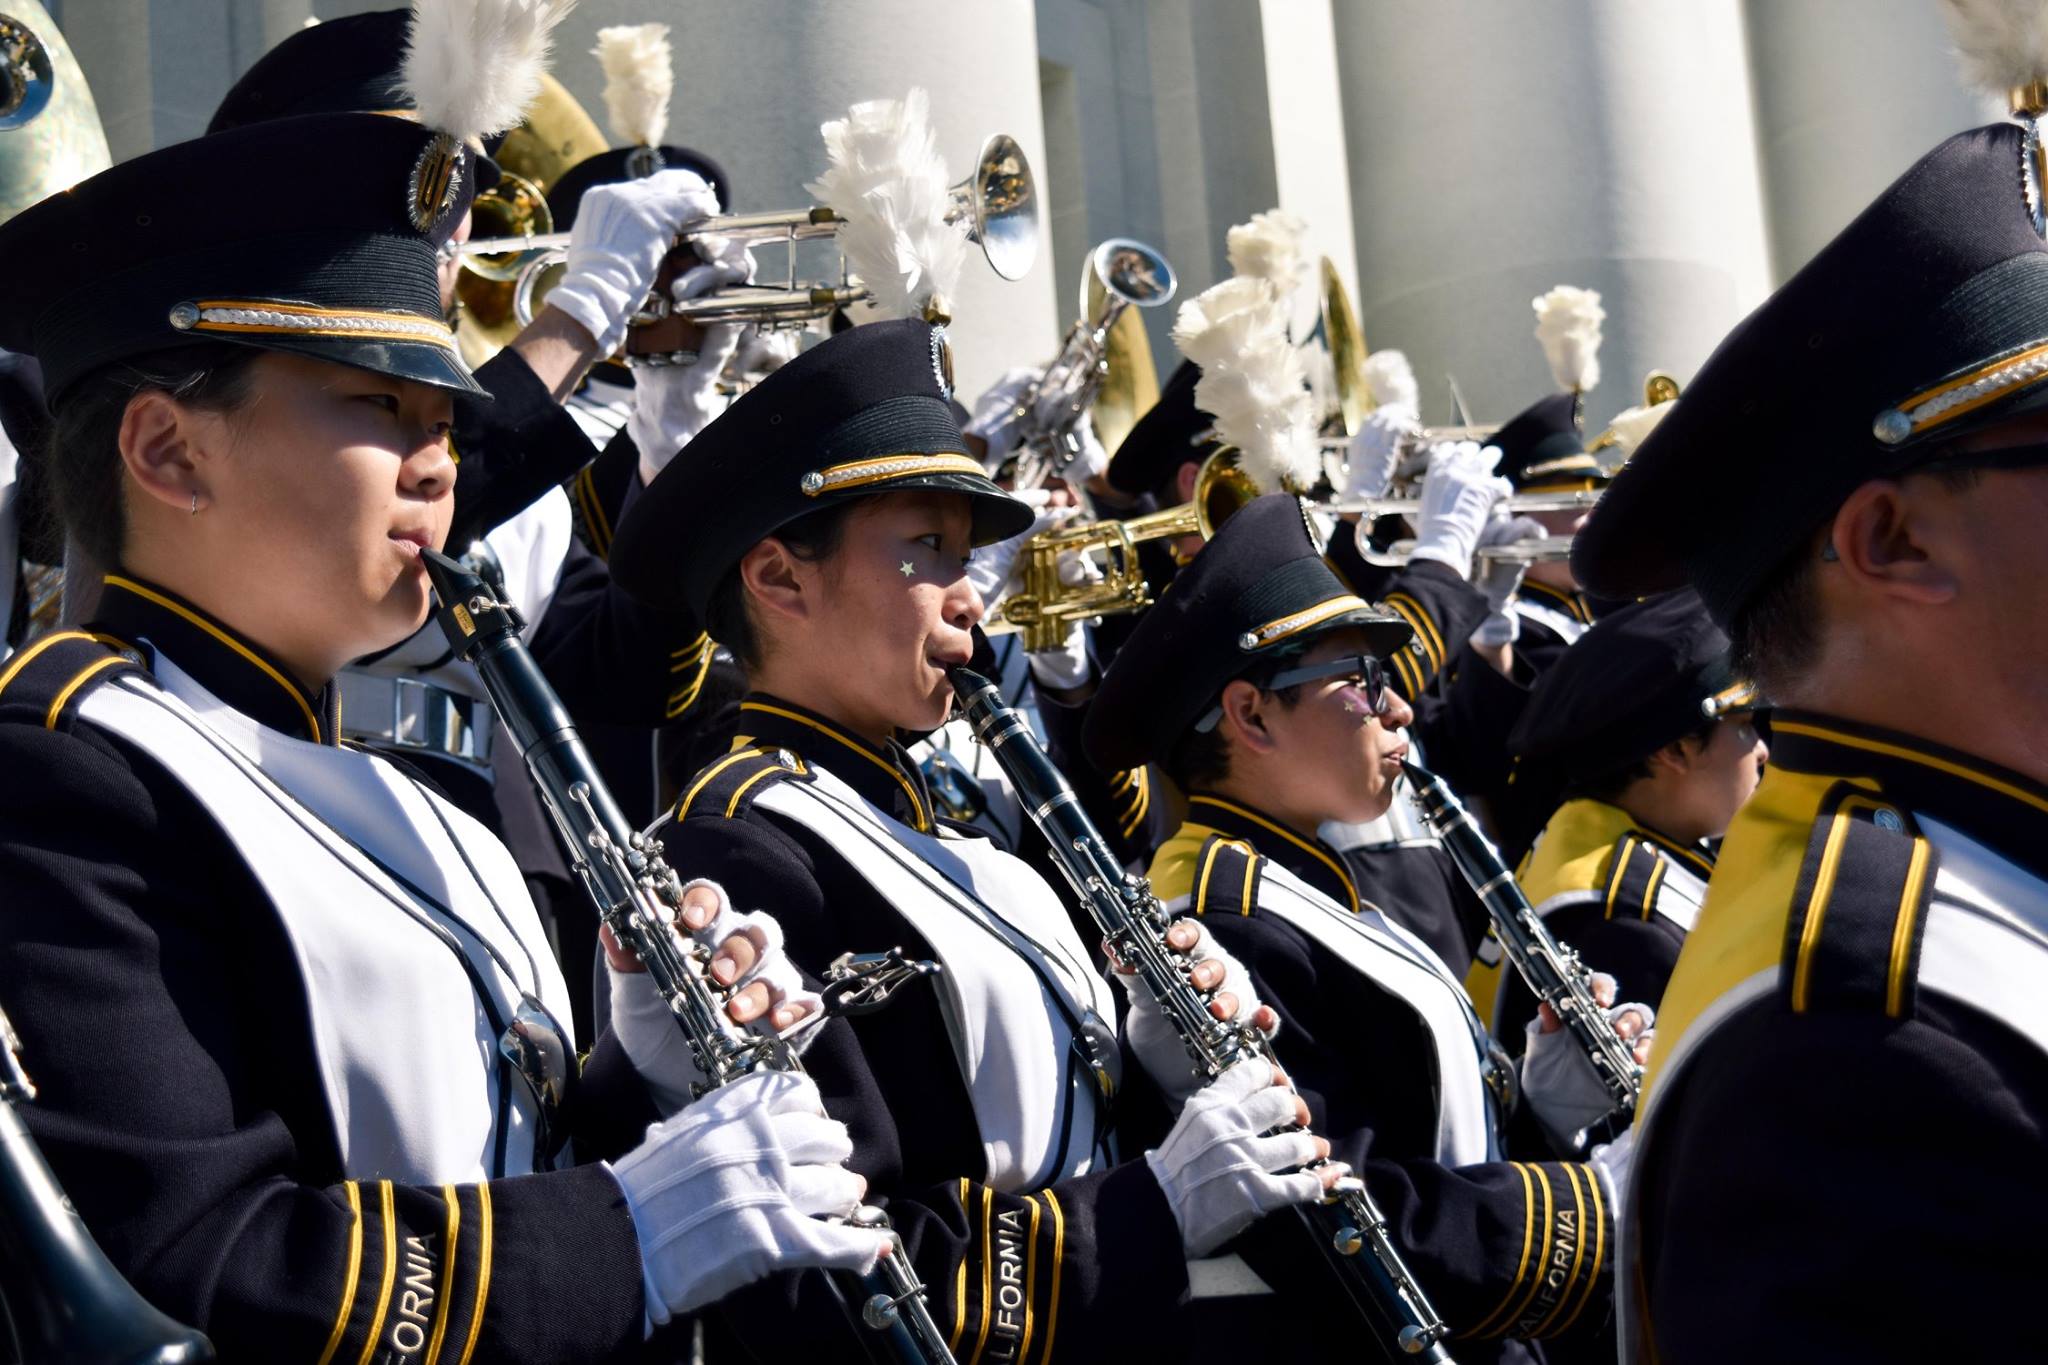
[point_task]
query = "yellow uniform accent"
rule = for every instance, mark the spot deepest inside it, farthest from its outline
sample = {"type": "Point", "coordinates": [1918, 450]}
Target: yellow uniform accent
{"type": "Point", "coordinates": [1817, 900]}
{"type": "Point", "coordinates": [355, 1262]}
{"type": "Point", "coordinates": [1542, 1256]}
{"type": "Point", "coordinates": [1902, 930]}
{"type": "Point", "coordinates": [1528, 1245]}
{"type": "Point", "coordinates": [1030, 1279]}
{"type": "Point", "coordinates": [97, 666]}
{"type": "Point", "coordinates": [390, 1272]}
{"type": "Point", "coordinates": [1599, 1250]}
{"type": "Point", "coordinates": [988, 1200]}
{"type": "Point", "coordinates": [483, 1270]}
{"type": "Point", "coordinates": [1741, 927]}
{"type": "Point", "coordinates": [1575, 851]}
{"type": "Point", "coordinates": [960, 1287]}
{"type": "Point", "coordinates": [1344, 877]}
{"type": "Point", "coordinates": [451, 1239]}
{"type": "Point", "coordinates": [1572, 1176]}
{"type": "Point", "coordinates": [1417, 616]}
{"type": "Point", "coordinates": [704, 779]}
{"type": "Point", "coordinates": [1059, 1249]}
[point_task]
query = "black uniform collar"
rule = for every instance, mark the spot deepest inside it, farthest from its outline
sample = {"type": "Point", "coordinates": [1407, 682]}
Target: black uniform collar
{"type": "Point", "coordinates": [1995, 806]}
{"type": "Point", "coordinates": [1312, 860]}
{"type": "Point", "coordinates": [224, 663]}
{"type": "Point", "coordinates": [883, 775]}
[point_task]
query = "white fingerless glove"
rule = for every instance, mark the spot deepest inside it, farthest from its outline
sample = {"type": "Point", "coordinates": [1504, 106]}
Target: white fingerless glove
{"type": "Point", "coordinates": [672, 403]}
{"type": "Point", "coordinates": [647, 1029]}
{"type": "Point", "coordinates": [1376, 449]}
{"type": "Point", "coordinates": [1559, 1082]}
{"type": "Point", "coordinates": [736, 1187]}
{"type": "Point", "coordinates": [1218, 1172]}
{"type": "Point", "coordinates": [622, 233]}
{"type": "Point", "coordinates": [1153, 1039]}
{"type": "Point", "coordinates": [1458, 494]}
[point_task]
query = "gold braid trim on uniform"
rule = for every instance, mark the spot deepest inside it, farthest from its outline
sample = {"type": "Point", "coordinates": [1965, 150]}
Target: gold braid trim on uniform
{"type": "Point", "coordinates": [1486, 1323]}
{"type": "Point", "coordinates": [922, 821]}
{"type": "Point", "coordinates": [1412, 611]}
{"type": "Point", "coordinates": [1902, 930]}
{"type": "Point", "coordinates": [1059, 1251]}
{"type": "Point", "coordinates": [70, 689]}
{"type": "Point", "coordinates": [114, 580]}
{"type": "Point", "coordinates": [355, 1258]}
{"type": "Point", "coordinates": [594, 519]}
{"type": "Point", "coordinates": [452, 1239]}
{"type": "Point", "coordinates": [1571, 1279]}
{"type": "Point", "coordinates": [705, 778]}
{"type": "Point", "coordinates": [390, 1271]}
{"type": "Point", "coordinates": [693, 660]}
{"type": "Point", "coordinates": [1599, 1250]}
{"type": "Point", "coordinates": [1823, 888]}
{"type": "Point", "coordinates": [960, 1286]}
{"type": "Point", "coordinates": [1542, 1256]}
{"type": "Point", "coordinates": [988, 1201]}
{"type": "Point", "coordinates": [1343, 877]}
{"type": "Point", "coordinates": [1030, 1278]}
{"type": "Point", "coordinates": [483, 1270]}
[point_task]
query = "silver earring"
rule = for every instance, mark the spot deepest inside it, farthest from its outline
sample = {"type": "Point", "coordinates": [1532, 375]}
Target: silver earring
{"type": "Point", "coordinates": [195, 502]}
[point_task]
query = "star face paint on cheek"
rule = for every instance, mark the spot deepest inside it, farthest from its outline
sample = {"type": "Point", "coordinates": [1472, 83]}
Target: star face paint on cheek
{"type": "Point", "coordinates": [906, 570]}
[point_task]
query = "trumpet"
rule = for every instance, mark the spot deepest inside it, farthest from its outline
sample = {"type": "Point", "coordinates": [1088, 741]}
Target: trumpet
{"type": "Point", "coordinates": [1374, 508]}
{"type": "Point", "coordinates": [1047, 605]}
{"type": "Point", "coordinates": [1552, 550]}
{"type": "Point", "coordinates": [1129, 274]}
{"type": "Point", "coordinates": [998, 203]}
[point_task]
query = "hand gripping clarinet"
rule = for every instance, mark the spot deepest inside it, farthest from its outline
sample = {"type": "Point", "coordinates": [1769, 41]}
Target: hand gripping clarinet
{"type": "Point", "coordinates": [1552, 971]}
{"type": "Point", "coordinates": [636, 893]}
{"type": "Point", "coordinates": [62, 1299]}
{"type": "Point", "coordinates": [1348, 1227]}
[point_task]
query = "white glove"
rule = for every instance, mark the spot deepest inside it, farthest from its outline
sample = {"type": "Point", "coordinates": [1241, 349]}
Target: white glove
{"type": "Point", "coordinates": [1152, 1038]}
{"type": "Point", "coordinates": [1376, 449]}
{"type": "Point", "coordinates": [1563, 1089]}
{"type": "Point", "coordinates": [1499, 578]}
{"type": "Point", "coordinates": [1458, 494]}
{"type": "Point", "coordinates": [1218, 1174]}
{"type": "Point", "coordinates": [995, 570]}
{"type": "Point", "coordinates": [647, 1029]}
{"type": "Point", "coordinates": [622, 233]}
{"type": "Point", "coordinates": [735, 1187]}
{"type": "Point", "coordinates": [995, 415]}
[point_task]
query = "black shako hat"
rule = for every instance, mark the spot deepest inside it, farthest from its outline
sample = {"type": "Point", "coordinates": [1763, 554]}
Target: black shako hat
{"type": "Point", "coordinates": [610, 167]}
{"type": "Point", "coordinates": [194, 243]}
{"type": "Point", "coordinates": [1633, 683]}
{"type": "Point", "coordinates": [1168, 436]}
{"type": "Point", "coordinates": [1927, 317]}
{"type": "Point", "coordinates": [1543, 448]}
{"type": "Point", "coordinates": [859, 413]}
{"type": "Point", "coordinates": [351, 65]}
{"type": "Point", "coordinates": [1260, 591]}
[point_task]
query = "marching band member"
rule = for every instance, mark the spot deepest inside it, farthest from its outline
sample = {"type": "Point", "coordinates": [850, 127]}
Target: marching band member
{"type": "Point", "coordinates": [1260, 681]}
{"type": "Point", "coordinates": [843, 508]}
{"type": "Point", "coordinates": [1858, 1008]}
{"type": "Point", "coordinates": [301, 1045]}
{"type": "Point", "coordinates": [1659, 752]}
{"type": "Point", "coordinates": [609, 658]}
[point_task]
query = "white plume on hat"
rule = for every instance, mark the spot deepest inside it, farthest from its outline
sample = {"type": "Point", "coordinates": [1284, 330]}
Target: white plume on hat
{"type": "Point", "coordinates": [887, 180]}
{"type": "Point", "coordinates": [2002, 43]}
{"type": "Point", "coordinates": [1269, 247]}
{"type": "Point", "coordinates": [1252, 381]}
{"type": "Point", "coordinates": [1630, 426]}
{"type": "Point", "coordinates": [639, 76]}
{"type": "Point", "coordinates": [1389, 378]}
{"type": "Point", "coordinates": [1568, 328]}
{"type": "Point", "coordinates": [473, 66]}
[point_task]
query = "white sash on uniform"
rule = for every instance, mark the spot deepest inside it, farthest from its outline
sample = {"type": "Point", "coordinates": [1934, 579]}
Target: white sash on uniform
{"type": "Point", "coordinates": [988, 917]}
{"type": "Point", "coordinates": [406, 1047]}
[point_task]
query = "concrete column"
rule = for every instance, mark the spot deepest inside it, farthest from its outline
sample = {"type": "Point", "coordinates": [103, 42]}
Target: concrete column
{"type": "Point", "coordinates": [1848, 94]}
{"type": "Point", "coordinates": [1497, 150]}
{"type": "Point", "coordinates": [754, 82]}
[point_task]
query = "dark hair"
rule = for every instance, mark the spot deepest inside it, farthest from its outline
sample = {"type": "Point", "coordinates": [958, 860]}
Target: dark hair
{"type": "Point", "coordinates": [1776, 635]}
{"type": "Point", "coordinates": [1201, 758]}
{"type": "Point", "coordinates": [811, 537]}
{"type": "Point", "coordinates": [1610, 786]}
{"type": "Point", "coordinates": [81, 457]}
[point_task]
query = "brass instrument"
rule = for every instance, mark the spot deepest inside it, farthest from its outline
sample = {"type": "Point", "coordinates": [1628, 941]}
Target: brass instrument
{"type": "Point", "coordinates": [1130, 381]}
{"type": "Point", "coordinates": [998, 202]}
{"type": "Point", "coordinates": [1346, 342]}
{"type": "Point", "coordinates": [50, 134]}
{"type": "Point", "coordinates": [1550, 550]}
{"type": "Point", "coordinates": [1047, 606]}
{"type": "Point", "coordinates": [1658, 387]}
{"type": "Point", "coordinates": [556, 134]}
{"type": "Point", "coordinates": [1124, 273]}
{"type": "Point", "coordinates": [1373, 508]}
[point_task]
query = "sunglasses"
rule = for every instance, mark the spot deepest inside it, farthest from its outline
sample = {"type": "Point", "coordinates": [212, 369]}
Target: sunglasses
{"type": "Point", "coordinates": [1367, 672]}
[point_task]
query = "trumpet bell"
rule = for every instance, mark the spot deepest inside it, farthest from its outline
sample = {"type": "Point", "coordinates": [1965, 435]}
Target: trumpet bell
{"type": "Point", "coordinates": [1140, 276]}
{"type": "Point", "coordinates": [999, 201]}
{"type": "Point", "coordinates": [50, 134]}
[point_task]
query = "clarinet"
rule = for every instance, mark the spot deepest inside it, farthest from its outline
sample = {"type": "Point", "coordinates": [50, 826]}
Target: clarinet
{"type": "Point", "coordinates": [636, 894]}
{"type": "Point", "coordinates": [1348, 1226]}
{"type": "Point", "coordinates": [1551, 970]}
{"type": "Point", "coordinates": [64, 1300]}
